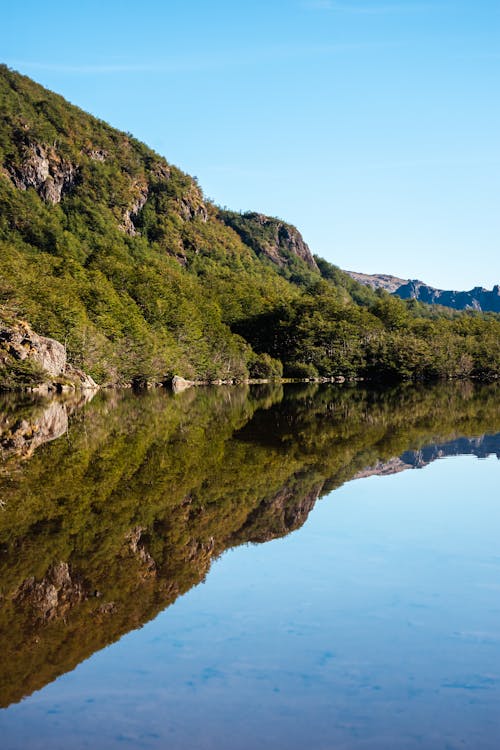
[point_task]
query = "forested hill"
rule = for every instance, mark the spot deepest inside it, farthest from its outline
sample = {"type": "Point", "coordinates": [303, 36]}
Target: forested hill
{"type": "Point", "coordinates": [111, 250]}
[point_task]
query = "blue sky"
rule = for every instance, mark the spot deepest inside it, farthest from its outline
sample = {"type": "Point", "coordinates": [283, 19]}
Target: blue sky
{"type": "Point", "coordinates": [373, 125]}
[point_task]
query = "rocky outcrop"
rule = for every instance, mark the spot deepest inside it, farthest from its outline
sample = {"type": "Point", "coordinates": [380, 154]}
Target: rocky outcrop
{"type": "Point", "coordinates": [79, 379]}
{"type": "Point", "coordinates": [192, 206]}
{"type": "Point", "coordinates": [141, 192]}
{"type": "Point", "coordinates": [96, 154]}
{"type": "Point", "coordinates": [42, 168]}
{"type": "Point", "coordinates": [275, 239]}
{"type": "Point", "coordinates": [20, 344]}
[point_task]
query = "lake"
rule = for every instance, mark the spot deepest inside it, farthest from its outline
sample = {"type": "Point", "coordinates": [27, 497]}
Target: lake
{"type": "Point", "coordinates": [251, 567]}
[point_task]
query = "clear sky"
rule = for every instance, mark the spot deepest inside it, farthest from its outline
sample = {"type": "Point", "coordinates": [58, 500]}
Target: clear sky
{"type": "Point", "coordinates": [372, 125]}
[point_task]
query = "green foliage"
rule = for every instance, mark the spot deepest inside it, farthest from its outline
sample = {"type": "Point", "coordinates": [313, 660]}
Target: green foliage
{"type": "Point", "coordinates": [141, 277]}
{"type": "Point", "coordinates": [264, 366]}
{"type": "Point", "coordinates": [301, 370]}
{"type": "Point", "coordinates": [20, 374]}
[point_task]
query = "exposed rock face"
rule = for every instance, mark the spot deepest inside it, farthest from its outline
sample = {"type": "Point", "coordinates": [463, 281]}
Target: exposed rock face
{"type": "Point", "coordinates": [192, 206]}
{"type": "Point", "coordinates": [270, 237]}
{"type": "Point", "coordinates": [97, 154]}
{"type": "Point", "coordinates": [155, 185]}
{"type": "Point", "coordinates": [43, 169]}
{"type": "Point", "coordinates": [480, 299]}
{"type": "Point", "coordinates": [19, 342]}
{"type": "Point", "coordinates": [291, 239]}
{"type": "Point", "coordinates": [80, 378]}
{"type": "Point", "coordinates": [141, 192]}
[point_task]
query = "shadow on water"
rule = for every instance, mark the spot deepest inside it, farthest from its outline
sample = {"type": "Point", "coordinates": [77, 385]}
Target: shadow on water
{"type": "Point", "coordinates": [112, 509]}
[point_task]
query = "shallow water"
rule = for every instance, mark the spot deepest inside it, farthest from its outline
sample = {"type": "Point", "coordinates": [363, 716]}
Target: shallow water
{"type": "Point", "coordinates": [348, 600]}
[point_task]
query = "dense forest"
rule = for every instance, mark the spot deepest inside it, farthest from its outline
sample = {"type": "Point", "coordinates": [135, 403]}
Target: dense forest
{"type": "Point", "coordinates": [111, 250]}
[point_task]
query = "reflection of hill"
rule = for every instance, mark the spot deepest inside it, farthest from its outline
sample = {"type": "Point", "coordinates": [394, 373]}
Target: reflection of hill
{"type": "Point", "coordinates": [103, 529]}
{"type": "Point", "coordinates": [482, 447]}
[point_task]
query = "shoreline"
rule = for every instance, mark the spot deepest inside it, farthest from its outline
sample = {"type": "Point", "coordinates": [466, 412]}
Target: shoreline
{"type": "Point", "coordinates": [178, 384]}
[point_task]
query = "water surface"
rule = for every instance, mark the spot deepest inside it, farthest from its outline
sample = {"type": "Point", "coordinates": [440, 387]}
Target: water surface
{"type": "Point", "coordinates": [348, 601]}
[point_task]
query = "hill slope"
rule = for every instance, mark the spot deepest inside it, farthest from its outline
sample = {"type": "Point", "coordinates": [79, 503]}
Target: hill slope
{"type": "Point", "coordinates": [116, 253]}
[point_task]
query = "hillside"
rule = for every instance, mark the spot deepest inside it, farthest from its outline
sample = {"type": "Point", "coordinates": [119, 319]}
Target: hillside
{"type": "Point", "coordinates": [117, 254]}
{"type": "Point", "coordinates": [480, 299]}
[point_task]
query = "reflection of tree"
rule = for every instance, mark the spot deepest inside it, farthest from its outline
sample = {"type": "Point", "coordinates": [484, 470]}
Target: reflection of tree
{"type": "Point", "coordinates": [107, 526]}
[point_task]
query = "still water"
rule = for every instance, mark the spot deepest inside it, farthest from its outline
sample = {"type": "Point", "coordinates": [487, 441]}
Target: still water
{"type": "Point", "coordinates": [309, 568]}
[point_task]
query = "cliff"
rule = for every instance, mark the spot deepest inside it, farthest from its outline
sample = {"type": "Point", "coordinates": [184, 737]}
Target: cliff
{"type": "Point", "coordinates": [271, 238]}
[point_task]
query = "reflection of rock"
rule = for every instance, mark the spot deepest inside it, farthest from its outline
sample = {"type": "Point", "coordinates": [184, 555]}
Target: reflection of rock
{"type": "Point", "coordinates": [278, 515]}
{"type": "Point", "coordinates": [23, 437]}
{"type": "Point", "coordinates": [41, 422]}
{"type": "Point", "coordinates": [137, 542]}
{"type": "Point", "coordinates": [383, 468]}
{"type": "Point", "coordinates": [482, 447]}
{"type": "Point", "coordinates": [54, 595]}
{"type": "Point", "coordinates": [180, 384]}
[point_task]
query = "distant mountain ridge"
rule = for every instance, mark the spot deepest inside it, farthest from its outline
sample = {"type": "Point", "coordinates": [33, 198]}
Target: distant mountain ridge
{"type": "Point", "coordinates": [478, 298]}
